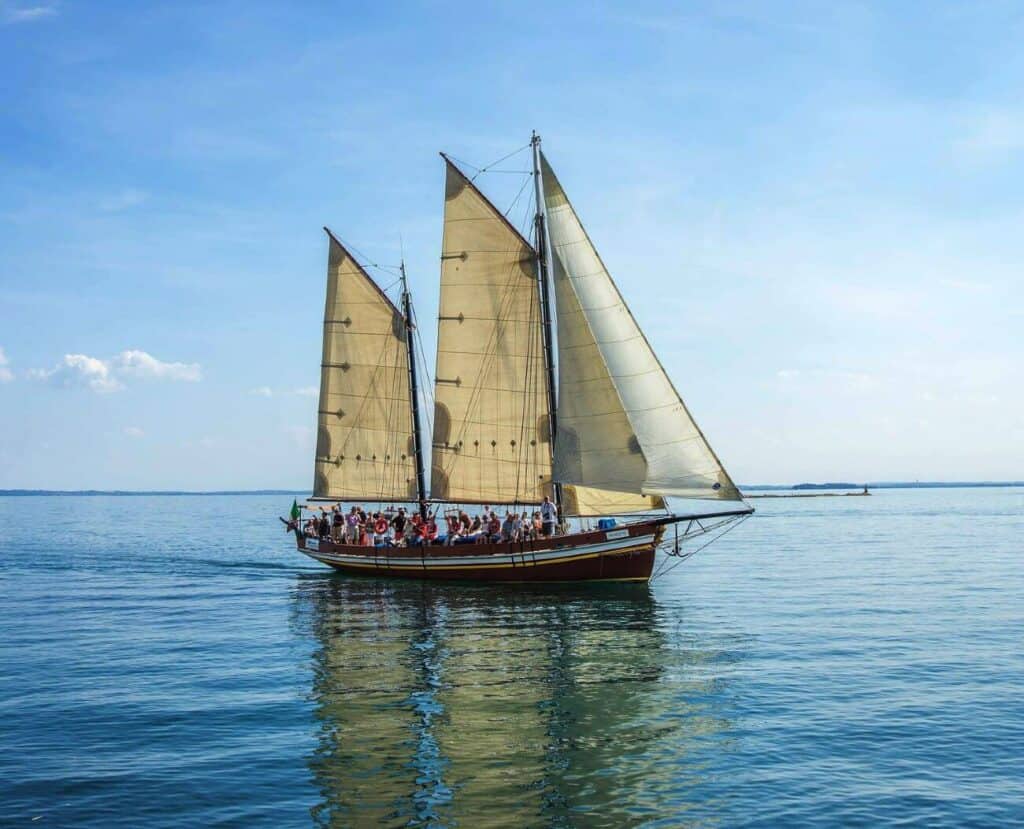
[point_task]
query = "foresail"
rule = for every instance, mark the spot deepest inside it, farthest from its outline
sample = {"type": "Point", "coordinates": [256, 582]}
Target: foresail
{"type": "Point", "coordinates": [364, 437]}
{"type": "Point", "coordinates": [491, 440]}
{"type": "Point", "coordinates": [587, 501]}
{"type": "Point", "coordinates": [621, 424]}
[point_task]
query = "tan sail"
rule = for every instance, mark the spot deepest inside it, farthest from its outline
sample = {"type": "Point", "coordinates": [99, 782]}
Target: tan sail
{"type": "Point", "coordinates": [587, 501]}
{"type": "Point", "coordinates": [364, 437]}
{"type": "Point", "coordinates": [491, 440]}
{"type": "Point", "coordinates": [621, 424]}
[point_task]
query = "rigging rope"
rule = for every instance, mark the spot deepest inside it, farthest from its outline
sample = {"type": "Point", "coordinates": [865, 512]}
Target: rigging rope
{"type": "Point", "coordinates": [663, 570]}
{"type": "Point", "coordinates": [488, 167]}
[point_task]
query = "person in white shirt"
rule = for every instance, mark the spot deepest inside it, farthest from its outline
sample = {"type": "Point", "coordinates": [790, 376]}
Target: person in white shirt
{"type": "Point", "coordinates": [548, 516]}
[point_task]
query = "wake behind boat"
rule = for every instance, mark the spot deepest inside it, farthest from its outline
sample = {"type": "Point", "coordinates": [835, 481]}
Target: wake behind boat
{"type": "Point", "coordinates": [534, 341]}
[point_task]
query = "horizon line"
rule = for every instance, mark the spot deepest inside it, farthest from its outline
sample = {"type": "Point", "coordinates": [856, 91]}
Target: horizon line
{"type": "Point", "coordinates": [21, 492]}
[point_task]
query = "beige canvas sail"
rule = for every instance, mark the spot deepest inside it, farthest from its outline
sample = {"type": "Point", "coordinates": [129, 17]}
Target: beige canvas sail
{"type": "Point", "coordinates": [621, 424]}
{"type": "Point", "coordinates": [364, 438]}
{"type": "Point", "coordinates": [584, 500]}
{"type": "Point", "coordinates": [491, 440]}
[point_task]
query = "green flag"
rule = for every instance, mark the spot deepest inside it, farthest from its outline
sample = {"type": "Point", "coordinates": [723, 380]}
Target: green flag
{"type": "Point", "coordinates": [295, 510]}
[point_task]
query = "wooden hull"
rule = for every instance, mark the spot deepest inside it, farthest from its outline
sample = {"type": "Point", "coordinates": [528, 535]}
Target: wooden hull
{"type": "Point", "coordinates": [621, 554]}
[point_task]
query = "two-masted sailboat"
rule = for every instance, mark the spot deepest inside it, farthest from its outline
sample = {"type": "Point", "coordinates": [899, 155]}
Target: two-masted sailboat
{"type": "Point", "coordinates": [544, 386]}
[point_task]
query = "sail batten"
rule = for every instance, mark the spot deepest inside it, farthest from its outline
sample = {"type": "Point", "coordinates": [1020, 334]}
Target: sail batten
{"type": "Point", "coordinates": [622, 426]}
{"type": "Point", "coordinates": [490, 440]}
{"type": "Point", "coordinates": [364, 418]}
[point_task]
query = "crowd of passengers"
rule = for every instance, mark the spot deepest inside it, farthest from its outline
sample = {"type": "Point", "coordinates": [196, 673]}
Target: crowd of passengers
{"type": "Point", "coordinates": [398, 529]}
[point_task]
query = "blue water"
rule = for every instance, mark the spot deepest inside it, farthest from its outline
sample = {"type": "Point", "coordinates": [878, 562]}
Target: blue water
{"type": "Point", "coordinates": [172, 661]}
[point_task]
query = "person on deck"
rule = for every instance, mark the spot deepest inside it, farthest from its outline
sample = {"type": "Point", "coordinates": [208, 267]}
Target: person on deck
{"type": "Point", "coordinates": [508, 528]}
{"type": "Point", "coordinates": [352, 526]}
{"type": "Point", "coordinates": [525, 527]}
{"type": "Point", "coordinates": [454, 531]}
{"type": "Point", "coordinates": [324, 526]}
{"type": "Point", "coordinates": [380, 530]}
{"type": "Point", "coordinates": [409, 531]}
{"type": "Point", "coordinates": [452, 522]}
{"type": "Point", "coordinates": [493, 529]}
{"type": "Point", "coordinates": [548, 516]}
{"type": "Point", "coordinates": [538, 526]}
{"type": "Point", "coordinates": [431, 529]}
{"type": "Point", "coordinates": [414, 531]}
{"type": "Point", "coordinates": [337, 524]}
{"type": "Point", "coordinates": [398, 524]}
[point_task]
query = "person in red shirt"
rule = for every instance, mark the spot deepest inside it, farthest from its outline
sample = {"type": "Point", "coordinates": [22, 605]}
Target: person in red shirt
{"type": "Point", "coordinates": [421, 532]}
{"type": "Point", "coordinates": [380, 530]}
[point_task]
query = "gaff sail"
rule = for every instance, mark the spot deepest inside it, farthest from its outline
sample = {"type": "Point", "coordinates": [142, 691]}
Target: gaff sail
{"type": "Point", "coordinates": [491, 437]}
{"type": "Point", "coordinates": [364, 447]}
{"type": "Point", "coordinates": [622, 426]}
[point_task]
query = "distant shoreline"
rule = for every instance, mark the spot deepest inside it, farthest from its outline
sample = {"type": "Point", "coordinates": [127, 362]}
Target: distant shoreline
{"type": "Point", "coordinates": [805, 487]}
{"type": "Point", "coordinates": [14, 493]}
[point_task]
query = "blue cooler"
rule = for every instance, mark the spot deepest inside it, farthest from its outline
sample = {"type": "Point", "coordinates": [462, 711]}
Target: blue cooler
{"type": "Point", "coordinates": [606, 523]}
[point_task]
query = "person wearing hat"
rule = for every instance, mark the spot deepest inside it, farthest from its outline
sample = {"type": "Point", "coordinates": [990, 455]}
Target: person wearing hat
{"type": "Point", "coordinates": [398, 524]}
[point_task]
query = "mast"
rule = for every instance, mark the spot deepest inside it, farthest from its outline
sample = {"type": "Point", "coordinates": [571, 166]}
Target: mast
{"type": "Point", "coordinates": [543, 260]}
{"type": "Point", "coordinates": [414, 397]}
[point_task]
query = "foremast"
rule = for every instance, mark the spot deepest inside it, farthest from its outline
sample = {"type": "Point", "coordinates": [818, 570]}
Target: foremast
{"type": "Point", "coordinates": [414, 395]}
{"type": "Point", "coordinates": [543, 249]}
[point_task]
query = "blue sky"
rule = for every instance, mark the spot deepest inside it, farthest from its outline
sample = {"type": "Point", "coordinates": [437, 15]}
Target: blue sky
{"type": "Point", "coordinates": [814, 211]}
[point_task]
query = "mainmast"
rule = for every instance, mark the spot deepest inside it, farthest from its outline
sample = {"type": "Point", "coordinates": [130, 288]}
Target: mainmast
{"type": "Point", "coordinates": [543, 261]}
{"type": "Point", "coordinates": [414, 396]}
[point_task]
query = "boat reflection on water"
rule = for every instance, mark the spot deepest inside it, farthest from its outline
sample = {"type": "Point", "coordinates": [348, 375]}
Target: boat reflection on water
{"type": "Point", "coordinates": [447, 703]}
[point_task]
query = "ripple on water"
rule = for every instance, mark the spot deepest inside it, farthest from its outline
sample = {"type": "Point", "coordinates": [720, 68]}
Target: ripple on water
{"type": "Point", "coordinates": [171, 661]}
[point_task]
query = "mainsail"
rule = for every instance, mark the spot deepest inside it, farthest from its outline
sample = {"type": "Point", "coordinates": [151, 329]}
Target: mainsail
{"type": "Point", "coordinates": [364, 438]}
{"type": "Point", "coordinates": [491, 437]}
{"type": "Point", "coordinates": [622, 426]}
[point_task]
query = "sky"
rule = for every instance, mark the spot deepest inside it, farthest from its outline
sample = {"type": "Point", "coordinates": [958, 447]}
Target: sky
{"type": "Point", "coordinates": [813, 210]}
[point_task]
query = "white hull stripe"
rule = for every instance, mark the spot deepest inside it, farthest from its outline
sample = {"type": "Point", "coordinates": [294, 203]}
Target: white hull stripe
{"type": "Point", "coordinates": [525, 559]}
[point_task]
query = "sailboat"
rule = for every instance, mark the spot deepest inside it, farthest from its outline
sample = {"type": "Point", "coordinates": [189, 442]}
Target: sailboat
{"type": "Point", "coordinates": [545, 389]}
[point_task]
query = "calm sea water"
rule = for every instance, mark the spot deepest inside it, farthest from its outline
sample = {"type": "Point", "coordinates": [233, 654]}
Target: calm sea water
{"type": "Point", "coordinates": [172, 661]}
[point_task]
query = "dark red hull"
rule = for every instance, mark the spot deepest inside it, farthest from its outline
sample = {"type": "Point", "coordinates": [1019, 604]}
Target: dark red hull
{"type": "Point", "coordinates": [621, 554]}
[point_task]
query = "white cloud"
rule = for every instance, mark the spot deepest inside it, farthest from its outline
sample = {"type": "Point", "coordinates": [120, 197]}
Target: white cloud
{"type": "Point", "coordinates": [141, 364]}
{"type": "Point", "coordinates": [83, 371]}
{"type": "Point", "coordinates": [26, 14]}
{"type": "Point", "coordinates": [6, 375]}
{"type": "Point", "coordinates": [992, 136]}
{"type": "Point", "coordinates": [303, 391]}
{"type": "Point", "coordinates": [134, 432]}
{"type": "Point", "coordinates": [80, 371]}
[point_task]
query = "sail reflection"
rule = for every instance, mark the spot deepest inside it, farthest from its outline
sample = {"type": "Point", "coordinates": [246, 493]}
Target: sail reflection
{"type": "Point", "coordinates": [441, 704]}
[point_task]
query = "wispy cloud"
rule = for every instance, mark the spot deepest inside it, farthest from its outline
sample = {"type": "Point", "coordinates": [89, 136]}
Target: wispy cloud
{"type": "Point", "coordinates": [123, 200]}
{"type": "Point", "coordinates": [6, 375]}
{"type": "Point", "coordinates": [267, 391]}
{"type": "Point", "coordinates": [141, 364]}
{"type": "Point", "coordinates": [80, 371]}
{"type": "Point", "coordinates": [99, 375]}
{"type": "Point", "coordinates": [10, 14]}
{"type": "Point", "coordinates": [992, 137]}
